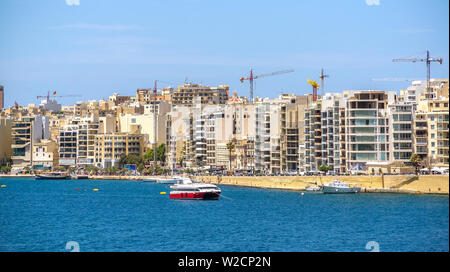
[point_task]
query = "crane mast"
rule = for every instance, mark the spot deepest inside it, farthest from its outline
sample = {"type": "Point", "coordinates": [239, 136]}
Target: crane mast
{"type": "Point", "coordinates": [251, 78]}
{"type": "Point", "coordinates": [322, 78]}
{"type": "Point", "coordinates": [428, 61]}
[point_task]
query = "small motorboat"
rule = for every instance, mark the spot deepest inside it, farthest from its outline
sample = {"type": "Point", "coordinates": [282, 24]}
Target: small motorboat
{"type": "Point", "coordinates": [53, 175]}
{"type": "Point", "coordinates": [172, 180]}
{"type": "Point", "coordinates": [313, 189]}
{"type": "Point", "coordinates": [149, 179]}
{"type": "Point", "coordinates": [339, 187]}
{"type": "Point", "coordinates": [80, 176]}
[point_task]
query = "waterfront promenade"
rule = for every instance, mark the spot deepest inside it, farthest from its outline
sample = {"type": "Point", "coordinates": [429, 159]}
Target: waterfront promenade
{"type": "Point", "coordinates": [425, 184]}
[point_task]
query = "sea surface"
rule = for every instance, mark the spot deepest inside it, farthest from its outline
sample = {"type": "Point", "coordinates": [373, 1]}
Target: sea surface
{"type": "Point", "coordinates": [65, 215]}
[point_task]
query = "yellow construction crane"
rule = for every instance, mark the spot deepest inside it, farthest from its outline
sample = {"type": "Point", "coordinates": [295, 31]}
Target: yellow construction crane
{"type": "Point", "coordinates": [315, 87]}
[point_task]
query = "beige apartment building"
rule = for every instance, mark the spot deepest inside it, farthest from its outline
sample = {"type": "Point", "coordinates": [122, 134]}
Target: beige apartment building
{"type": "Point", "coordinates": [432, 130]}
{"type": "Point", "coordinates": [25, 132]}
{"type": "Point", "coordinates": [185, 94]}
{"type": "Point", "coordinates": [109, 148]}
{"type": "Point", "coordinates": [45, 154]}
{"type": "Point", "coordinates": [6, 140]}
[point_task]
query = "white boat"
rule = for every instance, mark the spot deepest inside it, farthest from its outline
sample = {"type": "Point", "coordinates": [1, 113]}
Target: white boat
{"type": "Point", "coordinates": [149, 179]}
{"type": "Point", "coordinates": [313, 189]}
{"type": "Point", "coordinates": [188, 190]}
{"type": "Point", "coordinates": [339, 187]}
{"type": "Point", "coordinates": [171, 180]}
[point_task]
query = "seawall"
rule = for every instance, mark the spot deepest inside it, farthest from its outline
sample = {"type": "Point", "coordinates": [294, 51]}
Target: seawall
{"type": "Point", "coordinates": [436, 184]}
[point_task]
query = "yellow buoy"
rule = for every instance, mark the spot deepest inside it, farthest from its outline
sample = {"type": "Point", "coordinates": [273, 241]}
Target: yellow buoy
{"type": "Point", "coordinates": [94, 189]}
{"type": "Point", "coordinates": [162, 193]}
{"type": "Point", "coordinates": [3, 186]}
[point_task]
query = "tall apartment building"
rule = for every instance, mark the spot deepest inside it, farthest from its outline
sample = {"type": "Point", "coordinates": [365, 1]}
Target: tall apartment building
{"type": "Point", "coordinates": [312, 149]}
{"type": "Point", "coordinates": [77, 141]}
{"type": "Point", "coordinates": [432, 130]}
{"type": "Point", "coordinates": [179, 136]}
{"type": "Point", "coordinates": [330, 125]}
{"type": "Point", "coordinates": [6, 140]}
{"type": "Point", "coordinates": [145, 124]}
{"type": "Point", "coordinates": [109, 148]}
{"type": "Point", "coordinates": [267, 136]}
{"type": "Point", "coordinates": [292, 130]}
{"type": "Point", "coordinates": [421, 134]}
{"type": "Point", "coordinates": [68, 145]}
{"type": "Point", "coordinates": [401, 132]}
{"type": "Point", "coordinates": [367, 131]}
{"type": "Point", "coordinates": [26, 131]}
{"type": "Point", "coordinates": [185, 94]}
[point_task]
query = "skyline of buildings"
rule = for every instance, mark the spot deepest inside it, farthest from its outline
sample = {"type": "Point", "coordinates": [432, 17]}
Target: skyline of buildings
{"type": "Point", "coordinates": [205, 127]}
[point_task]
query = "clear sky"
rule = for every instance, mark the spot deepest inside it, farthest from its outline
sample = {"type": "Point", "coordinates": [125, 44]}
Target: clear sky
{"type": "Point", "coordinates": [94, 48]}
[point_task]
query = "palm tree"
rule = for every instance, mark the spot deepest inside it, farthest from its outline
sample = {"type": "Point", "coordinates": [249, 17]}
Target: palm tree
{"type": "Point", "coordinates": [416, 162]}
{"type": "Point", "coordinates": [230, 147]}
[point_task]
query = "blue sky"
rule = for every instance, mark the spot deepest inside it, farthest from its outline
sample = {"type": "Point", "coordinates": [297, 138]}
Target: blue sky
{"type": "Point", "coordinates": [97, 47]}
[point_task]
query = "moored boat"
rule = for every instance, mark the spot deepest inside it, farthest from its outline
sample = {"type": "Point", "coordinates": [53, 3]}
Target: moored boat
{"type": "Point", "coordinates": [52, 175]}
{"type": "Point", "coordinates": [149, 179]}
{"type": "Point", "coordinates": [172, 180]}
{"type": "Point", "coordinates": [189, 190]}
{"type": "Point", "coordinates": [80, 176]}
{"type": "Point", "coordinates": [313, 189]}
{"type": "Point", "coordinates": [339, 187]}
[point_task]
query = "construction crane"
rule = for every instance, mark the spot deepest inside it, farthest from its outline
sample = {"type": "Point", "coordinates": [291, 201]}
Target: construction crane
{"type": "Point", "coordinates": [428, 60]}
{"type": "Point", "coordinates": [315, 85]}
{"type": "Point", "coordinates": [322, 77]}
{"type": "Point", "coordinates": [393, 79]}
{"type": "Point", "coordinates": [54, 95]}
{"type": "Point", "coordinates": [252, 77]}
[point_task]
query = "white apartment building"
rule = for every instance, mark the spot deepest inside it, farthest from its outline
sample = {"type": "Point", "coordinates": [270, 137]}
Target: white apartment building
{"type": "Point", "coordinates": [367, 129]}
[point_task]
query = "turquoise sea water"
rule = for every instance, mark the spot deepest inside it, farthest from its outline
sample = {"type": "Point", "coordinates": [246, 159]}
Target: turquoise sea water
{"type": "Point", "coordinates": [134, 216]}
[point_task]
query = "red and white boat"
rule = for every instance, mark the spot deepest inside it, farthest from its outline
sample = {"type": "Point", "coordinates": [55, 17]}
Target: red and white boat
{"type": "Point", "coordinates": [189, 190]}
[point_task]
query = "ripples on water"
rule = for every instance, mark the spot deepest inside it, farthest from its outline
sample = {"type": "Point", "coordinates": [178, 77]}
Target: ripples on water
{"type": "Point", "coordinates": [133, 216]}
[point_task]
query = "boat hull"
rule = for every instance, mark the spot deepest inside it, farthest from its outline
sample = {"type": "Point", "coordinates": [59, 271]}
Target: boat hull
{"type": "Point", "coordinates": [149, 180]}
{"type": "Point", "coordinates": [80, 177]}
{"type": "Point", "coordinates": [195, 195]}
{"type": "Point", "coordinates": [43, 177]}
{"type": "Point", "coordinates": [166, 181]}
{"type": "Point", "coordinates": [334, 190]}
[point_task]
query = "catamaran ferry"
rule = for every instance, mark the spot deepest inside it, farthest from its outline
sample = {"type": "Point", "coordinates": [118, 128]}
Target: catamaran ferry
{"type": "Point", "coordinates": [187, 189]}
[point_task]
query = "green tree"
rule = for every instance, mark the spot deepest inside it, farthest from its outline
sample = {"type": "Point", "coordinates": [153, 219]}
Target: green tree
{"type": "Point", "coordinates": [161, 153]}
{"type": "Point", "coordinates": [230, 147]}
{"type": "Point", "coordinates": [91, 168]}
{"type": "Point", "coordinates": [5, 169]}
{"type": "Point", "coordinates": [325, 168]}
{"type": "Point", "coordinates": [111, 170]}
{"type": "Point", "coordinates": [416, 161]}
{"type": "Point", "coordinates": [148, 156]}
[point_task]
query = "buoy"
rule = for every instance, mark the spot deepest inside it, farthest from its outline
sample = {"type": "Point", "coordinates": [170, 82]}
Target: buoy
{"type": "Point", "coordinates": [94, 189]}
{"type": "Point", "coordinates": [162, 193]}
{"type": "Point", "coordinates": [77, 189]}
{"type": "Point", "coordinates": [3, 186]}
{"type": "Point", "coordinates": [303, 193]}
